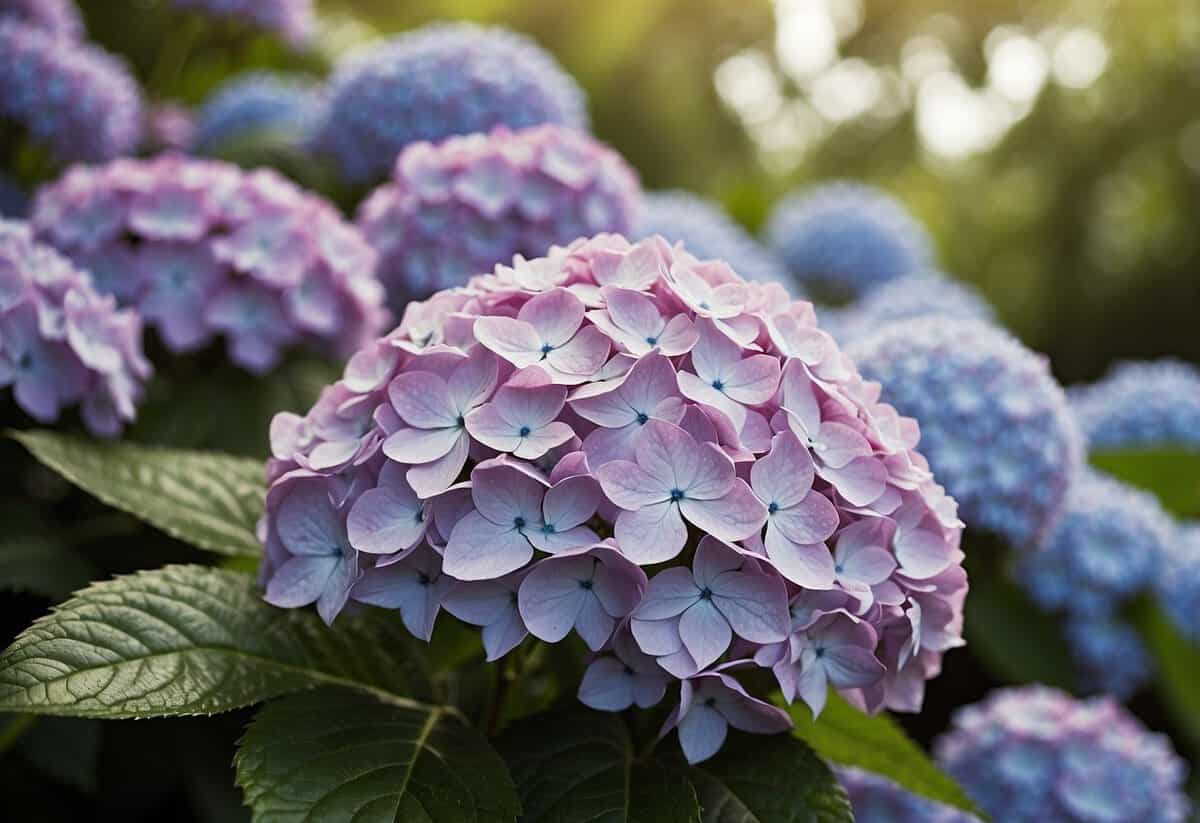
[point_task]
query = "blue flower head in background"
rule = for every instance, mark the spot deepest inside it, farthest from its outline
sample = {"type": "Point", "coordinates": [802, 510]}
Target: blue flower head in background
{"type": "Point", "coordinates": [914, 295]}
{"type": "Point", "coordinates": [73, 100]}
{"type": "Point", "coordinates": [436, 82]}
{"type": "Point", "coordinates": [1109, 655]}
{"type": "Point", "coordinates": [842, 239]}
{"type": "Point", "coordinates": [709, 233]}
{"type": "Point", "coordinates": [1178, 582]}
{"type": "Point", "coordinates": [1035, 755]}
{"type": "Point", "coordinates": [876, 799]}
{"type": "Point", "coordinates": [995, 425]}
{"type": "Point", "coordinates": [276, 107]}
{"type": "Point", "coordinates": [1141, 404]}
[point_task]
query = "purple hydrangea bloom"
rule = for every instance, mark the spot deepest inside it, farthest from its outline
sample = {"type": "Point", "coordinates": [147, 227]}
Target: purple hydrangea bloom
{"type": "Point", "coordinates": [995, 424]}
{"type": "Point", "coordinates": [923, 294]}
{"type": "Point", "coordinates": [14, 202]}
{"type": "Point", "coordinates": [436, 82]}
{"type": "Point", "coordinates": [74, 99]}
{"type": "Point", "coordinates": [292, 20]}
{"type": "Point", "coordinates": [204, 249]}
{"type": "Point", "coordinates": [1033, 754]}
{"type": "Point", "coordinates": [876, 799]}
{"type": "Point", "coordinates": [279, 107]}
{"type": "Point", "coordinates": [459, 207]}
{"type": "Point", "coordinates": [1178, 581]}
{"type": "Point", "coordinates": [708, 232]}
{"type": "Point", "coordinates": [58, 16]}
{"type": "Point", "coordinates": [169, 127]}
{"type": "Point", "coordinates": [61, 343]}
{"type": "Point", "coordinates": [1141, 404]}
{"type": "Point", "coordinates": [1108, 545]}
{"type": "Point", "coordinates": [521, 448]}
{"type": "Point", "coordinates": [846, 238]}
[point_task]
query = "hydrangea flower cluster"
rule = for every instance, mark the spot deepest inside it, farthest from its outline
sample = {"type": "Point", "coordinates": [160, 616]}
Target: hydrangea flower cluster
{"type": "Point", "coordinates": [436, 82]}
{"type": "Point", "coordinates": [923, 294]}
{"type": "Point", "coordinates": [203, 249]}
{"type": "Point", "coordinates": [1178, 582]}
{"type": "Point", "coordinates": [61, 343]}
{"type": "Point", "coordinates": [708, 233]}
{"type": "Point", "coordinates": [1034, 754]}
{"type": "Point", "coordinates": [875, 799]}
{"type": "Point", "coordinates": [995, 425]}
{"type": "Point", "coordinates": [292, 20]}
{"type": "Point", "coordinates": [846, 238]}
{"type": "Point", "coordinates": [76, 100]}
{"type": "Point", "coordinates": [285, 107]}
{"type": "Point", "coordinates": [463, 205]}
{"type": "Point", "coordinates": [1108, 654]}
{"type": "Point", "coordinates": [169, 127]}
{"type": "Point", "coordinates": [1141, 404]}
{"type": "Point", "coordinates": [627, 443]}
{"type": "Point", "coordinates": [57, 16]}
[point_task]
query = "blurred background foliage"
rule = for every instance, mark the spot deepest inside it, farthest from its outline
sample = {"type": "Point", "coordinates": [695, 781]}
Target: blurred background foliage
{"type": "Point", "coordinates": [1052, 146]}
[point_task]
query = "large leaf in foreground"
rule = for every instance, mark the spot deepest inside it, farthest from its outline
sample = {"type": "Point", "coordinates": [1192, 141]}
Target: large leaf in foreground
{"type": "Point", "coordinates": [846, 736]}
{"type": "Point", "coordinates": [776, 779]}
{"type": "Point", "coordinates": [336, 755]}
{"type": "Point", "coordinates": [193, 640]}
{"type": "Point", "coordinates": [209, 500]}
{"type": "Point", "coordinates": [581, 767]}
{"type": "Point", "coordinates": [1172, 474]}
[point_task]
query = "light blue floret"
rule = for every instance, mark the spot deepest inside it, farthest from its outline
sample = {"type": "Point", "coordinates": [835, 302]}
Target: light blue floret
{"type": "Point", "coordinates": [284, 107]}
{"type": "Point", "coordinates": [876, 799]}
{"type": "Point", "coordinates": [846, 238]}
{"type": "Point", "coordinates": [1141, 404]}
{"type": "Point", "coordinates": [994, 423]}
{"type": "Point", "coordinates": [439, 81]}
{"type": "Point", "coordinates": [1178, 583]}
{"type": "Point", "coordinates": [710, 234]}
{"type": "Point", "coordinates": [921, 294]}
{"type": "Point", "coordinates": [1109, 656]}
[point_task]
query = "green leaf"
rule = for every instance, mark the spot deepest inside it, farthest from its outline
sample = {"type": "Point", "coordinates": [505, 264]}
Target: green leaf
{"type": "Point", "coordinates": [209, 500]}
{"type": "Point", "coordinates": [1013, 638]}
{"type": "Point", "coordinates": [1171, 473]}
{"type": "Point", "coordinates": [39, 564]}
{"type": "Point", "coordinates": [192, 640]}
{"type": "Point", "coordinates": [335, 755]}
{"type": "Point", "coordinates": [775, 779]}
{"type": "Point", "coordinates": [1178, 664]}
{"type": "Point", "coordinates": [581, 767]}
{"type": "Point", "coordinates": [876, 743]}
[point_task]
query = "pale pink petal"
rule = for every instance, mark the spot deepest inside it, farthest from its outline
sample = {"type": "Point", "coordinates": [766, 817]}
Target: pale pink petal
{"type": "Point", "coordinates": [668, 594]}
{"type": "Point", "coordinates": [626, 485]}
{"type": "Point", "coordinates": [753, 380]}
{"type": "Point", "coordinates": [785, 475]}
{"type": "Point", "coordinates": [754, 604]}
{"type": "Point", "coordinates": [571, 502]}
{"type": "Point", "coordinates": [552, 595]}
{"type": "Point", "coordinates": [608, 409]}
{"type": "Point", "coordinates": [702, 733]}
{"type": "Point", "coordinates": [556, 542]}
{"type": "Point", "coordinates": [679, 336]}
{"type": "Point", "coordinates": [705, 632]}
{"type": "Point", "coordinates": [422, 399]}
{"type": "Point", "coordinates": [607, 686]}
{"type": "Point", "coordinates": [800, 398]}
{"type": "Point", "coordinates": [812, 686]}
{"type": "Point", "coordinates": [667, 453]}
{"type": "Point", "coordinates": [594, 624]}
{"type": "Point", "coordinates": [657, 637]}
{"type": "Point", "coordinates": [812, 520]}
{"type": "Point", "coordinates": [473, 380]}
{"type": "Point", "coordinates": [554, 316]}
{"type": "Point", "coordinates": [634, 313]}
{"type": "Point", "coordinates": [735, 516]}
{"type": "Point", "coordinates": [479, 549]}
{"type": "Point", "coordinates": [539, 441]}
{"type": "Point", "coordinates": [708, 475]}
{"type": "Point", "coordinates": [386, 520]}
{"type": "Point", "coordinates": [487, 425]}
{"type": "Point", "coordinates": [808, 566]}
{"type": "Point", "coordinates": [922, 552]}
{"type": "Point", "coordinates": [697, 390]}
{"type": "Point", "coordinates": [532, 406]}
{"type": "Point", "coordinates": [581, 357]}
{"type": "Point", "coordinates": [431, 479]}
{"type": "Point", "coordinates": [502, 493]}
{"type": "Point", "coordinates": [514, 340]}
{"type": "Point", "coordinates": [869, 565]}
{"type": "Point", "coordinates": [838, 444]}
{"type": "Point", "coordinates": [605, 445]}
{"type": "Point", "coordinates": [714, 558]}
{"type": "Point", "coordinates": [652, 534]}
{"type": "Point", "coordinates": [852, 667]}
{"type": "Point", "coordinates": [416, 446]}
{"type": "Point", "coordinates": [861, 481]}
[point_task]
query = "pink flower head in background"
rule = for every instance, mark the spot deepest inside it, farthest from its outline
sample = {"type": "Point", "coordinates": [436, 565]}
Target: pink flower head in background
{"type": "Point", "coordinates": [521, 451]}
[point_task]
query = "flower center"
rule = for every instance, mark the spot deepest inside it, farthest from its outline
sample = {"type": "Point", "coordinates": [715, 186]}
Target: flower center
{"type": "Point", "coordinates": [710, 702]}
{"type": "Point", "coordinates": [642, 418]}
{"type": "Point", "coordinates": [548, 528]}
{"type": "Point", "coordinates": [839, 568]}
{"type": "Point", "coordinates": [718, 385]}
{"type": "Point", "coordinates": [546, 349]}
{"type": "Point", "coordinates": [423, 579]}
{"type": "Point", "coordinates": [653, 341]}
{"type": "Point", "coordinates": [524, 431]}
{"type": "Point", "coordinates": [25, 362]}
{"type": "Point", "coordinates": [676, 495]}
{"type": "Point", "coordinates": [706, 593]}
{"type": "Point", "coordinates": [460, 421]}
{"type": "Point", "coordinates": [519, 522]}
{"type": "Point", "coordinates": [819, 651]}
{"type": "Point", "coordinates": [704, 305]}
{"type": "Point", "coordinates": [772, 507]}
{"type": "Point", "coordinates": [586, 585]}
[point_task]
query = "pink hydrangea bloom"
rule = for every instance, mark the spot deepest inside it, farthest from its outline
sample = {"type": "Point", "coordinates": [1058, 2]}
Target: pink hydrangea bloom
{"type": "Point", "coordinates": [521, 451]}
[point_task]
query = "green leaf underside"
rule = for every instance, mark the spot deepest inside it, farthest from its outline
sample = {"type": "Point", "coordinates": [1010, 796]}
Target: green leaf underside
{"type": "Point", "coordinates": [1178, 664]}
{"type": "Point", "coordinates": [40, 565]}
{"type": "Point", "coordinates": [775, 779]}
{"type": "Point", "coordinates": [193, 640]}
{"type": "Point", "coordinates": [1173, 474]}
{"type": "Point", "coordinates": [581, 767]}
{"type": "Point", "coordinates": [1013, 638]}
{"type": "Point", "coordinates": [209, 500]}
{"type": "Point", "coordinates": [846, 736]}
{"type": "Point", "coordinates": [334, 755]}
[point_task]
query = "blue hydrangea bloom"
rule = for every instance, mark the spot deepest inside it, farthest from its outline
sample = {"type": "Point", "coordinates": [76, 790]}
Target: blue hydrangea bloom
{"type": "Point", "coordinates": [994, 423]}
{"type": "Point", "coordinates": [1108, 544]}
{"type": "Point", "coordinates": [436, 82]}
{"type": "Point", "coordinates": [1141, 404]}
{"type": "Point", "coordinates": [75, 100]}
{"type": "Point", "coordinates": [261, 103]}
{"type": "Point", "coordinates": [1178, 583]}
{"type": "Point", "coordinates": [1034, 755]}
{"type": "Point", "coordinates": [876, 799]}
{"type": "Point", "coordinates": [1108, 654]}
{"type": "Point", "coordinates": [920, 294]}
{"type": "Point", "coordinates": [292, 20]}
{"type": "Point", "coordinates": [708, 233]}
{"type": "Point", "coordinates": [846, 238]}
{"type": "Point", "coordinates": [58, 16]}
{"type": "Point", "coordinates": [14, 202]}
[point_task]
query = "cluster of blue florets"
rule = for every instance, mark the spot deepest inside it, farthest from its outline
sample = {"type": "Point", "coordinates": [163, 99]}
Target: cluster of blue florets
{"type": "Point", "coordinates": [277, 107]}
{"type": "Point", "coordinates": [1141, 404]}
{"type": "Point", "coordinates": [921, 294]}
